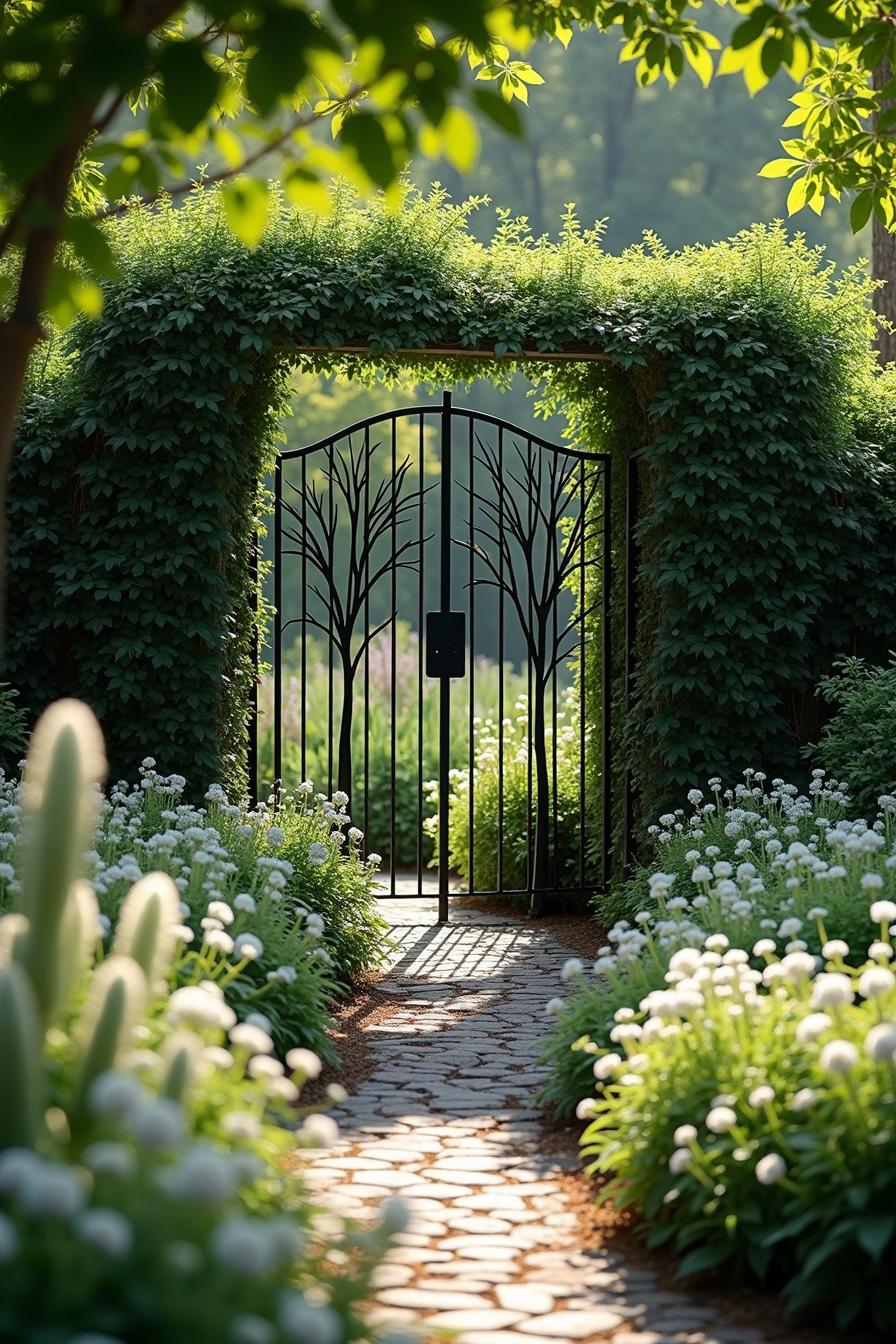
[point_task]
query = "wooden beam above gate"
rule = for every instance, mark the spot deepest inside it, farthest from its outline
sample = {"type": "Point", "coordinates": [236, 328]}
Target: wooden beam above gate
{"type": "Point", "coordinates": [572, 354]}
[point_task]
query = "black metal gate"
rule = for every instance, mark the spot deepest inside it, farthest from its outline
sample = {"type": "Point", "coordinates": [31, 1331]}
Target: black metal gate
{"type": "Point", "coordinates": [441, 649]}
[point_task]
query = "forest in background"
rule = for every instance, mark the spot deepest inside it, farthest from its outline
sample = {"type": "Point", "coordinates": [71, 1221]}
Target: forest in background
{"type": "Point", "coordinates": [680, 163]}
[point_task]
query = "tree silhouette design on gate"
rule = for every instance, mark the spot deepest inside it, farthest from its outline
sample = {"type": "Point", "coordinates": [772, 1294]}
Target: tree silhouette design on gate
{"type": "Point", "coordinates": [363, 547]}
{"type": "Point", "coordinates": [548, 645]}
{"type": "Point", "coordinates": [316, 541]}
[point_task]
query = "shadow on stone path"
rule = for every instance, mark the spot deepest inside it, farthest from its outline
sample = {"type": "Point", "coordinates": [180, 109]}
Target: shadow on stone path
{"type": "Point", "coordinates": [447, 1120]}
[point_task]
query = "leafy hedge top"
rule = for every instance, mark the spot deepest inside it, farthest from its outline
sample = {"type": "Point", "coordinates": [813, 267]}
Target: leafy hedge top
{"type": "Point", "coordinates": [738, 366]}
{"type": "Point", "coordinates": [417, 277]}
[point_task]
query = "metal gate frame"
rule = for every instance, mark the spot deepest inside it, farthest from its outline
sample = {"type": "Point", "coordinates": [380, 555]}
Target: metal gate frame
{"type": "Point", "coordinates": [445, 640]}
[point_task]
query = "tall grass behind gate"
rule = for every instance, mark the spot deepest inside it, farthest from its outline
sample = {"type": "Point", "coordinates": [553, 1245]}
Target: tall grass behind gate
{"type": "Point", "coordinates": [394, 781]}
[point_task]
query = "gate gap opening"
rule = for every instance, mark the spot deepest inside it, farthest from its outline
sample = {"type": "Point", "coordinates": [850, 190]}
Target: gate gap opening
{"type": "Point", "coordinates": [438, 565]}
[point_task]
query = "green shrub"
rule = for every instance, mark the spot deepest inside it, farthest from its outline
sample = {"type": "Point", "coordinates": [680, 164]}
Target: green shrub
{"type": "Point", "coordinates": [285, 894]}
{"type": "Point", "coordinates": [859, 743]}
{"type": "Point", "coordinates": [755, 861]}
{"type": "Point", "coordinates": [735, 1049]}
{"type": "Point", "coordinates": [411, 802]}
{"type": "Point", "coordinates": [13, 727]}
{"type": "Point", "coordinates": [143, 1193]}
{"type": "Point", "coordinates": [580, 1023]}
{"type": "Point", "coordinates": [756, 1130]}
{"type": "Point", "coordinates": [502, 811]}
{"type": "Point", "coordinates": [339, 890]}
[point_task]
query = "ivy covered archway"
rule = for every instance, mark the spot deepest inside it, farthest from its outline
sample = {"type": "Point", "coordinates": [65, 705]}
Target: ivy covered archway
{"type": "Point", "coordinates": [734, 384]}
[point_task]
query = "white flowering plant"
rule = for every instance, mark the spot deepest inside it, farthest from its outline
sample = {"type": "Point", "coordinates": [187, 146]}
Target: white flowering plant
{"type": "Point", "coordinates": [758, 861]}
{"type": "Point", "coordinates": [580, 1019]}
{"type": "Point", "coordinates": [752, 822]}
{"type": "Point", "coordinates": [143, 1189]}
{"type": "Point", "coordinates": [750, 1116]}
{"type": "Point", "coordinates": [332, 878]}
{"type": "Point", "coordinates": [503, 818]}
{"type": "Point", "coordinates": [13, 726]}
{"type": "Point", "coordinates": [252, 884]}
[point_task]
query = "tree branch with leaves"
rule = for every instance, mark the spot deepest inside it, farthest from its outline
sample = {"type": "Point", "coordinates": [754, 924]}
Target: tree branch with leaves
{"type": "Point", "coordinates": [224, 80]}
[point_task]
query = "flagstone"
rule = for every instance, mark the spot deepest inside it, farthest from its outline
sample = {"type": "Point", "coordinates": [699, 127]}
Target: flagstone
{"type": "Point", "coordinates": [478, 1318]}
{"type": "Point", "coordinates": [501, 1337]}
{"type": "Point", "coordinates": [447, 1120]}
{"type": "Point", "coordinates": [438, 1190]}
{"type": "Point", "coordinates": [459, 1284]}
{"type": "Point", "coordinates": [391, 1275]}
{"type": "Point", "coordinates": [573, 1324]}
{"type": "Point", "coordinates": [397, 1180]}
{"type": "Point", "coordinates": [525, 1297]}
{"type": "Point", "coordinates": [499, 1271]}
{"type": "Point", "coordinates": [466, 1221]}
{"type": "Point", "coordinates": [467, 1178]}
{"type": "Point", "coordinates": [433, 1299]}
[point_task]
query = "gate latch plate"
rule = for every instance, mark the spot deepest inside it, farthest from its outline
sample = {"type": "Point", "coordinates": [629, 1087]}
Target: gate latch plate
{"type": "Point", "coordinates": [446, 652]}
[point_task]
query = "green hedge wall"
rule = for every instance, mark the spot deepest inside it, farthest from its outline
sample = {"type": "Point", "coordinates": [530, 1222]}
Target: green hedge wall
{"type": "Point", "coordinates": [766, 545]}
{"type": "Point", "coordinates": [743, 370]}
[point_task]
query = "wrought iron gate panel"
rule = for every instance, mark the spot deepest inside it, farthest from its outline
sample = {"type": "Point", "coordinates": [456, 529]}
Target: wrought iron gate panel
{"type": "Point", "coordinates": [421, 553]}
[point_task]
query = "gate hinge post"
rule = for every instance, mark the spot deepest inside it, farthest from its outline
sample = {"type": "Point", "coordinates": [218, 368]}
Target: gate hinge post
{"type": "Point", "coordinates": [444, 674]}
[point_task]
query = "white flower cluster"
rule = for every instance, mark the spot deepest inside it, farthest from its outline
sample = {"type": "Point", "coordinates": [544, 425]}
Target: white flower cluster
{"type": "Point", "coordinates": [837, 1017]}
{"type": "Point", "coordinates": [235, 890]}
{"type": "Point", "coordinates": [774, 883]}
{"type": "Point", "coordinates": [152, 1144]}
{"type": "Point", "coordinates": [144, 1122]}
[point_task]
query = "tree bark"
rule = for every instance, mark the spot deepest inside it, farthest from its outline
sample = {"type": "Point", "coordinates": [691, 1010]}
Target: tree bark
{"type": "Point", "coordinates": [47, 192]}
{"type": "Point", "coordinates": [539, 860]}
{"type": "Point", "coordinates": [22, 330]}
{"type": "Point", "coordinates": [883, 260]}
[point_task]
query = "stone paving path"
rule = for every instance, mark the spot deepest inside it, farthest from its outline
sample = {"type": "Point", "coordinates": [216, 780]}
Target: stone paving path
{"type": "Point", "coordinates": [447, 1121]}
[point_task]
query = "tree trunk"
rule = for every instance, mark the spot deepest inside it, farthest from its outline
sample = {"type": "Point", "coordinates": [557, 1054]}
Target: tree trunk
{"type": "Point", "coordinates": [537, 188]}
{"type": "Point", "coordinates": [539, 867]}
{"type": "Point", "coordinates": [18, 337]}
{"type": "Point", "coordinates": [22, 330]}
{"type": "Point", "coordinates": [344, 768]}
{"type": "Point", "coordinates": [618, 105]}
{"type": "Point", "coordinates": [883, 260]}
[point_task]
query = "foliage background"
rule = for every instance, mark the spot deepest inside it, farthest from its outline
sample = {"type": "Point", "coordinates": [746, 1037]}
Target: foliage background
{"type": "Point", "coordinates": [747, 369]}
{"type": "Point", "coordinates": [679, 161]}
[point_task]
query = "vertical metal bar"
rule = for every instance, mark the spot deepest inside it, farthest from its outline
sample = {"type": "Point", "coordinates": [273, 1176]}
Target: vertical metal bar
{"type": "Point", "coordinates": [421, 549]}
{"type": "Point", "coordinates": [471, 702]}
{"type": "Point", "coordinates": [366, 633]}
{"type": "Point", "coordinates": [530, 570]}
{"type": "Point", "coordinates": [557, 563]}
{"type": "Point", "coordinates": [606, 669]}
{"type": "Point", "coordinates": [304, 674]}
{"type": "Point", "coordinates": [277, 641]}
{"type": "Point", "coordinates": [330, 638]}
{"type": "Point", "coordinates": [500, 883]}
{"type": "Point", "coordinates": [631, 560]}
{"type": "Point", "coordinates": [393, 664]}
{"type": "Point", "coordinates": [538, 883]}
{"type": "Point", "coordinates": [252, 725]}
{"type": "Point", "coordinates": [583, 673]}
{"type": "Point", "coordinates": [444, 680]}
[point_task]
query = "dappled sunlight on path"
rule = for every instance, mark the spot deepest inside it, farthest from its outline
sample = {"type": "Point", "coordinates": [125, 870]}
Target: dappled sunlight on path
{"type": "Point", "coordinates": [448, 1121]}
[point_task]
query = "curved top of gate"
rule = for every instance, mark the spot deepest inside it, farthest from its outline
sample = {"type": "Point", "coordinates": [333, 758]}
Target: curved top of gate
{"type": "Point", "coordinates": [438, 409]}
